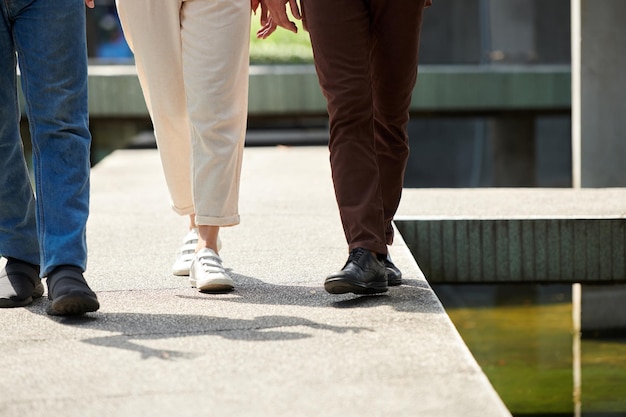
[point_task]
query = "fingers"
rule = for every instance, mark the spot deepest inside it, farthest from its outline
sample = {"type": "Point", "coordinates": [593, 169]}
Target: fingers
{"type": "Point", "coordinates": [290, 26]}
{"type": "Point", "coordinates": [266, 30]}
{"type": "Point", "coordinates": [277, 10]}
{"type": "Point", "coordinates": [284, 22]}
{"type": "Point", "coordinates": [90, 3]}
{"type": "Point", "coordinates": [295, 11]}
{"type": "Point", "coordinates": [264, 14]}
{"type": "Point", "coordinates": [274, 14]}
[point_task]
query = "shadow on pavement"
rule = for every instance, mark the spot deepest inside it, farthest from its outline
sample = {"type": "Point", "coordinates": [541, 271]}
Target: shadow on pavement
{"type": "Point", "coordinates": [131, 329]}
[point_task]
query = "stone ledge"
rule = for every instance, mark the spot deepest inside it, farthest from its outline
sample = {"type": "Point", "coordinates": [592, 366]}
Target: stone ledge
{"type": "Point", "coordinates": [517, 235]}
{"type": "Point", "coordinates": [294, 90]}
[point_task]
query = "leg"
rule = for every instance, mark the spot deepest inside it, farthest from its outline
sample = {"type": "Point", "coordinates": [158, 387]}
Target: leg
{"type": "Point", "coordinates": [156, 43]}
{"type": "Point", "coordinates": [340, 35]}
{"type": "Point", "coordinates": [51, 46]}
{"type": "Point", "coordinates": [18, 230]}
{"type": "Point", "coordinates": [396, 26]}
{"type": "Point", "coordinates": [19, 279]}
{"type": "Point", "coordinates": [52, 52]}
{"type": "Point", "coordinates": [215, 41]}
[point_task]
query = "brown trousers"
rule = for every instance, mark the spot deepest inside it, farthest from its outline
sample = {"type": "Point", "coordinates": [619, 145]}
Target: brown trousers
{"type": "Point", "coordinates": [366, 55]}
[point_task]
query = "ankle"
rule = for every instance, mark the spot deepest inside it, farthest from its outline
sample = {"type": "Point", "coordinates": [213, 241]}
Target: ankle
{"type": "Point", "coordinates": [61, 268]}
{"type": "Point", "coordinates": [11, 261]}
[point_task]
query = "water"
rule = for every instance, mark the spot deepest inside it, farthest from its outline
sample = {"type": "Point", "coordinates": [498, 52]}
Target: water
{"type": "Point", "coordinates": [522, 337]}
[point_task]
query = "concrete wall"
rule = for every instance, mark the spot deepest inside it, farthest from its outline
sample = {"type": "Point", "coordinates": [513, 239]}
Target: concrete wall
{"type": "Point", "coordinates": [599, 93]}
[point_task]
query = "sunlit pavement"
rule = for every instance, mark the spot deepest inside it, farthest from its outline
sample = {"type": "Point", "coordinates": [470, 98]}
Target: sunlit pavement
{"type": "Point", "coordinates": [278, 345]}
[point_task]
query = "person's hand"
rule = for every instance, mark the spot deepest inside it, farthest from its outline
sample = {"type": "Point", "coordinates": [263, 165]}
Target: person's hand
{"type": "Point", "coordinates": [268, 27]}
{"type": "Point", "coordinates": [254, 4]}
{"type": "Point", "coordinates": [274, 14]}
{"type": "Point", "coordinates": [428, 3]}
{"type": "Point", "coordinates": [90, 3]}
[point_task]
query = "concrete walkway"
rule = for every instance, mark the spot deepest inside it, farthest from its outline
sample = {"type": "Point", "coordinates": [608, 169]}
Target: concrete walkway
{"type": "Point", "coordinates": [276, 346]}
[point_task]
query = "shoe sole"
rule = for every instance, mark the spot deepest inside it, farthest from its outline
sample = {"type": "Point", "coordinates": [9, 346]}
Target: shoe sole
{"type": "Point", "coordinates": [394, 276]}
{"type": "Point", "coordinates": [343, 286]}
{"type": "Point", "coordinates": [216, 288]}
{"type": "Point", "coordinates": [181, 272]}
{"type": "Point", "coordinates": [213, 285]}
{"type": "Point", "coordinates": [394, 282]}
{"type": "Point", "coordinates": [10, 303]}
{"type": "Point", "coordinates": [73, 304]}
{"type": "Point", "coordinates": [182, 269]}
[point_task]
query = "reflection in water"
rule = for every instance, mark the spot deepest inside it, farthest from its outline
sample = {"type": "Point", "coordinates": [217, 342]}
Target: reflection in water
{"type": "Point", "coordinates": [521, 335]}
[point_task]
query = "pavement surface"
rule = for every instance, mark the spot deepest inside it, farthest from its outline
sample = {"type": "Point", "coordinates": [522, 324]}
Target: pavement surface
{"type": "Point", "coordinates": [278, 345]}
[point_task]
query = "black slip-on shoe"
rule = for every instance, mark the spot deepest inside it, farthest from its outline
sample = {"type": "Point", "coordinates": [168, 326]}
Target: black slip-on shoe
{"type": "Point", "coordinates": [19, 284]}
{"type": "Point", "coordinates": [69, 292]}
{"type": "Point", "coordinates": [394, 275]}
{"type": "Point", "coordinates": [362, 274]}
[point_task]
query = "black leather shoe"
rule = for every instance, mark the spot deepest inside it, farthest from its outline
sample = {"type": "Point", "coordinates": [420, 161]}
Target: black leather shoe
{"type": "Point", "coordinates": [69, 292]}
{"type": "Point", "coordinates": [363, 273]}
{"type": "Point", "coordinates": [19, 284]}
{"type": "Point", "coordinates": [394, 276]}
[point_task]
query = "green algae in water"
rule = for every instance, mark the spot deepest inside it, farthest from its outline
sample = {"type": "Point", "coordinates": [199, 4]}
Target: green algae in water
{"type": "Point", "coordinates": [522, 337]}
{"type": "Point", "coordinates": [604, 376]}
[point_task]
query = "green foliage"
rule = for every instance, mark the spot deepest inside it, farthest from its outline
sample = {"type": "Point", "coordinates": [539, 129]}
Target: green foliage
{"type": "Point", "coordinates": [282, 47]}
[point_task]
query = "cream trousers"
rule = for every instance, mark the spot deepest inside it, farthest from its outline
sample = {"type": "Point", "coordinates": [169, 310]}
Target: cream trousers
{"type": "Point", "coordinates": [192, 58]}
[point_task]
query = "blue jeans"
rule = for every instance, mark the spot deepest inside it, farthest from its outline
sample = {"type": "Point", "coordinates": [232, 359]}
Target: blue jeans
{"type": "Point", "coordinates": [49, 39]}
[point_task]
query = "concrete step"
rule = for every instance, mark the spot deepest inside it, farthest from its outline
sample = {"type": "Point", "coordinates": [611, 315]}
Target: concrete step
{"type": "Point", "coordinates": [517, 235]}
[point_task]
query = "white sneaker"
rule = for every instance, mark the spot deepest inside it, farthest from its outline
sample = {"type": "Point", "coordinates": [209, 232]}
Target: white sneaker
{"type": "Point", "coordinates": [208, 274]}
{"type": "Point", "coordinates": [187, 252]}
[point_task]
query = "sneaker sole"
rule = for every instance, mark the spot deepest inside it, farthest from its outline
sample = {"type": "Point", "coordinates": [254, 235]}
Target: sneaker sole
{"type": "Point", "coordinates": [182, 267]}
{"type": "Point", "coordinates": [72, 304]}
{"type": "Point", "coordinates": [216, 284]}
{"type": "Point", "coordinates": [216, 288]}
{"type": "Point", "coordinates": [342, 286]}
{"type": "Point", "coordinates": [181, 272]}
{"type": "Point", "coordinates": [213, 285]}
